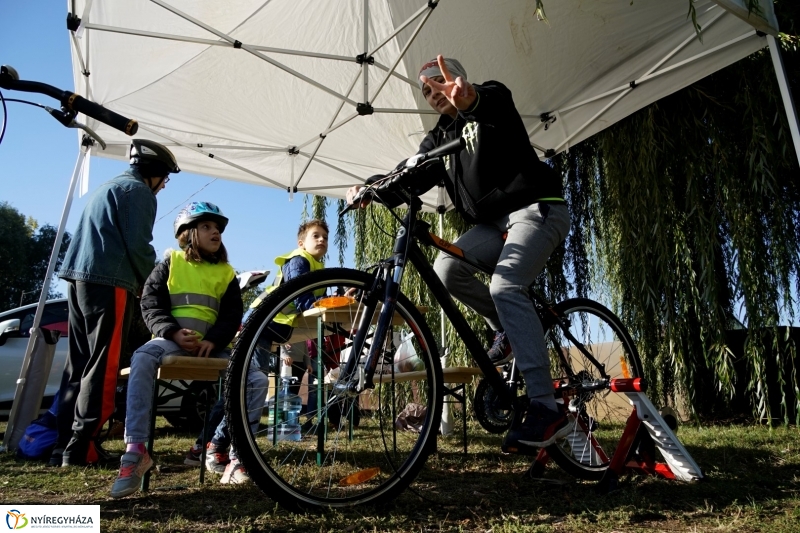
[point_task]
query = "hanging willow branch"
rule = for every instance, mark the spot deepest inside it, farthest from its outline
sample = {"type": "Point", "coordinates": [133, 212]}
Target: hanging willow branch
{"type": "Point", "coordinates": [695, 208]}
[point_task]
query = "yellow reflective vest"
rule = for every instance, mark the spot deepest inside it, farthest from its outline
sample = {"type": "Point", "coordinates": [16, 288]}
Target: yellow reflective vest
{"type": "Point", "coordinates": [196, 290]}
{"type": "Point", "coordinates": [288, 313]}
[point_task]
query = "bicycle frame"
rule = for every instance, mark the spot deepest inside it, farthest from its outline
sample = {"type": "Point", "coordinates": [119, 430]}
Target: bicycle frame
{"type": "Point", "coordinates": [406, 250]}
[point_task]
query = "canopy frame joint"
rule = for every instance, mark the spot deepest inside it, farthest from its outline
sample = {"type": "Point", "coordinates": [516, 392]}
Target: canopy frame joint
{"type": "Point", "coordinates": [548, 119]}
{"type": "Point", "coordinates": [73, 22]}
{"type": "Point", "coordinates": [364, 108]}
{"type": "Point", "coordinates": [364, 58]}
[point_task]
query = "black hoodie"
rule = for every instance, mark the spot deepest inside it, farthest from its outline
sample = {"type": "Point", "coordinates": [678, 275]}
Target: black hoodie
{"type": "Point", "coordinates": [498, 172]}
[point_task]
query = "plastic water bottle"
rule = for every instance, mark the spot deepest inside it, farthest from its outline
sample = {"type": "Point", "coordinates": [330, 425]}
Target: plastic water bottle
{"type": "Point", "coordinates": [283, 411]}
{"type": "Point", "coordinates": [289, 405]}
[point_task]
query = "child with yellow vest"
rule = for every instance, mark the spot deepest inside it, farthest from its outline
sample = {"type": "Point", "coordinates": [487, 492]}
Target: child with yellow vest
{"type": "Point", "coordinates": [192, 305]}
{"type": "Point", "coordinates": [312, 241]}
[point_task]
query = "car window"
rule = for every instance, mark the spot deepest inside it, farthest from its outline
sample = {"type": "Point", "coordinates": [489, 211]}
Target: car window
{"type": "Point", "coordinates": [55, 317]}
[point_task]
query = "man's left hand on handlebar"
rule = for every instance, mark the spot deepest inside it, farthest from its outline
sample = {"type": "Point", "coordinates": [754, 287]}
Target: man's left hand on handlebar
{"type": "Point", "coordinates": [353, 192]}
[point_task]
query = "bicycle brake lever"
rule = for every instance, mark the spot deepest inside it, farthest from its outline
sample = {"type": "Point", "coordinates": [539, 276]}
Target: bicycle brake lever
{"type": "Point", "coordinates": [90, 131]}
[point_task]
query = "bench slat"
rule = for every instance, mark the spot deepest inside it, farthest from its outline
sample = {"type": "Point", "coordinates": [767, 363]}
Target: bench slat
{"type": "Point", "coordinates": [453, 374]}
{"type": "Point", "coordinates": [188, 367]}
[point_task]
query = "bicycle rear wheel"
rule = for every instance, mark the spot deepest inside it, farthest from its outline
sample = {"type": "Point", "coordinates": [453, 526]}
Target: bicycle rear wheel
{"type": "Point", "coordinates": [353, 462]}
{"type": "Point", "coordinates": [597, 417]}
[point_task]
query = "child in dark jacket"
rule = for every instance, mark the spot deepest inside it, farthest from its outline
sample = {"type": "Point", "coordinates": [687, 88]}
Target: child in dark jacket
{"type": "Point", "coordinates": [193, 306]}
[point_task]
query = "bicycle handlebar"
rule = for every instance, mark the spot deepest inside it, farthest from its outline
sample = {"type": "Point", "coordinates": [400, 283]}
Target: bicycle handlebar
{"type": "Point", "coordinates": [70, 102]}
{"type": "Point", "coordinates": [450, 148]}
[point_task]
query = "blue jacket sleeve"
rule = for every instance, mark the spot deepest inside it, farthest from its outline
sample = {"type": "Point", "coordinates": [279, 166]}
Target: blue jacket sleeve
{"type": "Point", "coordinates": [297, 266]}
{"type": "Point", "coordinates": [137, 217]}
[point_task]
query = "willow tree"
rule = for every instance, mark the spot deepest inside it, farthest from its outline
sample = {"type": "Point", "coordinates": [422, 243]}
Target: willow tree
{"type": "Point", "coordinates": [684, 215]}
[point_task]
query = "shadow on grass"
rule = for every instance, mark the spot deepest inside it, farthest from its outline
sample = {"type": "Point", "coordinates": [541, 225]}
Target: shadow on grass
{"type": "Point", "coordinates": [753, 470]}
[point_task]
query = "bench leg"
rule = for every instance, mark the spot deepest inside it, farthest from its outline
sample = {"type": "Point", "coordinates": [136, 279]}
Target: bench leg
{"type": "Point", "coordinates": [205, 430]}
{"type": "Point", "coordinates": [460, 397]}
{"type": "Point", "coordinates": [146, 478]}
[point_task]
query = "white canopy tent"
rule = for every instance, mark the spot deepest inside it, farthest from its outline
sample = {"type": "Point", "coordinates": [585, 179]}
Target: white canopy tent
{"type": "Point", "coordinates": [298, 94]}
{"type": "Point", "coordinates": [313, 96]}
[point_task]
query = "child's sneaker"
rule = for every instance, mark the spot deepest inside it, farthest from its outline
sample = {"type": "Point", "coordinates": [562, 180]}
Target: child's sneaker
{"type": "Point", "coordinates": [132, 468]}
{"type": "Point", "coordinates": [193, 456]}
{"type": "Point", "coordinates": [216, 459]}
{"type": "Point", "coordinates": [235, 474]}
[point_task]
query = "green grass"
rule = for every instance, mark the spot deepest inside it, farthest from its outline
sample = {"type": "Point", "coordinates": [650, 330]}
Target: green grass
{"type": "Point", "coordinates": [752, 484]}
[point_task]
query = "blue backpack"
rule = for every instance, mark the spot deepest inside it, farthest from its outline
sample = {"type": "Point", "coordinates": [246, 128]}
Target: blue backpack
{"type": "Point", "coordinates": [41, 436]}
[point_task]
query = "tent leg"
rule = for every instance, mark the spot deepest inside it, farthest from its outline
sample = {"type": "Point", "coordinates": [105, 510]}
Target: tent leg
{"type": "Point", "coordinates": [786, 93]}
{"type": "Point", "coordinates": [22, 415]}
{"type": "Point", "coordinates": [447, 419]}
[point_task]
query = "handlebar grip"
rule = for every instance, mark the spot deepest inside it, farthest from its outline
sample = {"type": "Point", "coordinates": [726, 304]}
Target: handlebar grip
{"type": "Point", "coordinates": [80, 104]}
{"type": "Point", "coordinates": [453, 147]}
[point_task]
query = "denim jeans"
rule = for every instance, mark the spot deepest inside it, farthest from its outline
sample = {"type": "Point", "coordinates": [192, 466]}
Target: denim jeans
{"type": "Point", "coordinates": [257, 385]}
{"type": "Point", "coordinates": [533, 233]}
{"type": "Point", "coordinates": [144, 366]}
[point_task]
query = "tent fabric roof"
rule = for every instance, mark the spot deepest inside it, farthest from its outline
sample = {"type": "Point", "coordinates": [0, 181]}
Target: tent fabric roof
{"type": "Point", "coordinates": [271, 88]}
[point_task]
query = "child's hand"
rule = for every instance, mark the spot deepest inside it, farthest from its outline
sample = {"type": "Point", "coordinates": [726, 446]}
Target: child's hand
{"type": "Point", "coordinates": [204, 348]}
{"type": "Point", "coordinates": [287, 361]}
{"type": "Point", "coordinates": [187, 339]}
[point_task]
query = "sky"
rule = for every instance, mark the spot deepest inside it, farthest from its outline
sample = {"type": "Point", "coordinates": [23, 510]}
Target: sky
{"type": "Point", "coordinates": [38, 156]}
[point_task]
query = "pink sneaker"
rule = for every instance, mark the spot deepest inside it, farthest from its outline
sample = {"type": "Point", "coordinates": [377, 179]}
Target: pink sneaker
{"type": "Point", "coordinates": [132, 468]}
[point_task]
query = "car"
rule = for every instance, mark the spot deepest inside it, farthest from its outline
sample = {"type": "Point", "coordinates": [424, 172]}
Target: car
{"type": "Point", "coordinates": [181, 402]}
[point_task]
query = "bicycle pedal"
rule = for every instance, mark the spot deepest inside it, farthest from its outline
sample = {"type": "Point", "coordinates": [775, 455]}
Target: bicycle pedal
{"type": "Point", "coordinates": [519, 449]}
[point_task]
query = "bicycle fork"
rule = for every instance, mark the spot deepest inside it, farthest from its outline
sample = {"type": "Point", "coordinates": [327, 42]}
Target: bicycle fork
{"type": "Point", "coordinates": [387, 285]}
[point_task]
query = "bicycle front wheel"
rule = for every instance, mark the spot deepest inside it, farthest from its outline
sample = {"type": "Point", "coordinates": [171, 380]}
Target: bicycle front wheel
{"type": "Point", "coordinates": [343, 449]}
{"type": "Point", "coordinates": [597, 417]}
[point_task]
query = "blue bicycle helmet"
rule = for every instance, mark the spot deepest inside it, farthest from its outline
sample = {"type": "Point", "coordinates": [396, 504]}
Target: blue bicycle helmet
{"type": "Point", "coordinates": [197, 211]}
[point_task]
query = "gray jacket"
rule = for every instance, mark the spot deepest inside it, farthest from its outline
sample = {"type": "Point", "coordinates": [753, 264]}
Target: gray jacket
{"type": "Point", "coordinates": [111, 245]}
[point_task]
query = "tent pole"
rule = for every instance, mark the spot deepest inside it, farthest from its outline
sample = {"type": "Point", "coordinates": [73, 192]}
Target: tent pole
{"type": "Point", "coordinates": [786, 93]}
{"type": "Point", "coordinates": [447, 420]}
{"type": "Point", "coordinates": [14, 417]}
{"type": "Point", "coordinates": [365, 64]}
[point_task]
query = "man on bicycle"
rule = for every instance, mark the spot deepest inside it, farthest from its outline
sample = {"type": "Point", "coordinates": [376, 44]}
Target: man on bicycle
{"type": "Point", "coordinates": [515, 201]}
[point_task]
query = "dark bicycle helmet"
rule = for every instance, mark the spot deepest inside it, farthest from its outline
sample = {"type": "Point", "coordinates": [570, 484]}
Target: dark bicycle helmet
{"type": "Point", "coordinates": [147, 152]}
{"type": "Point", "coordinates": [197, 211]}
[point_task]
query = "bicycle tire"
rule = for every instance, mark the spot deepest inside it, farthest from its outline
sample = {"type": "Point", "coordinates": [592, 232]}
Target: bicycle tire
{"type": "Point", "coordinates": [298, 474]}
{"type": "Point", "coordinates": [598, 418]}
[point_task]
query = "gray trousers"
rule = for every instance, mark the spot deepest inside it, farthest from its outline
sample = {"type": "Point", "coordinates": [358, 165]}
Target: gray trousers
{"type": "Point", "coordinates": [533, 234]}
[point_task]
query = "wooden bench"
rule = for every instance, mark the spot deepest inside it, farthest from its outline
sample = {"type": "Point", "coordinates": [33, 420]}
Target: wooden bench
{"type": "Point", "coordinates": [181, 367]}
{"type": "Point", "coordinates": [460, 376]}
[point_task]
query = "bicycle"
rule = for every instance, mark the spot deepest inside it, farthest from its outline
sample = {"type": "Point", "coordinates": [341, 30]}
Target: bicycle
{"type": "Point", "coordinates": [343, 464]}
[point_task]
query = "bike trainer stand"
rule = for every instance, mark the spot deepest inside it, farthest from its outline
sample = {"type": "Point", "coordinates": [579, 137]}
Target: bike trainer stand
{"type": "Point", "coordinates": [645, 431]}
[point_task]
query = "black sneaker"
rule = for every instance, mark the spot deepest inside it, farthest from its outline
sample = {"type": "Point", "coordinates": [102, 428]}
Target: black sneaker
{"type": "Point", "coordinates": [77, 455]}
{"type": "Point", "coordinates": [55, 457]}
{"type": "Point", "coordinates": [541, 428]}
{"type": "Point", "coordinates": [500, 352]}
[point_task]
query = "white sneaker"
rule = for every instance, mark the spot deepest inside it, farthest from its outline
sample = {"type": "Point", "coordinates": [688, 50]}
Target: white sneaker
{"type": "Point", "coordinates": [235, 473]}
